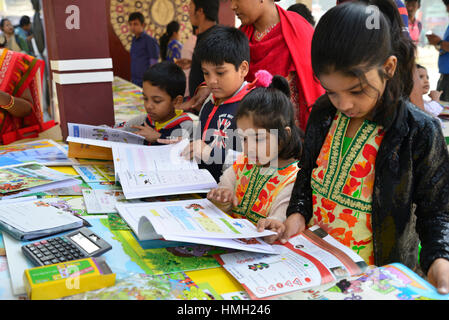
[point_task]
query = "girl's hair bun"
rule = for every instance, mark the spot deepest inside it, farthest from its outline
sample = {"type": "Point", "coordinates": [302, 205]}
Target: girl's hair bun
{"type": "Point", "coordinates": [280, 83]}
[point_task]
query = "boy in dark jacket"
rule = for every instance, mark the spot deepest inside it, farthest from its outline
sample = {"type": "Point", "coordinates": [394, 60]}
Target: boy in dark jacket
{"type": "Point", "coordinates": [224, 56]}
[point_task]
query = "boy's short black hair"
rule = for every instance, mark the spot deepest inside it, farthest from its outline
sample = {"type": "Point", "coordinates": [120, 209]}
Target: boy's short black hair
{"type": "Point", "coordinates": [224, 45]}
{"type": "Point", "coordinates": [24, 21]}
{"type": "Point", "coordinates": [210, 8]}
{"type": "Point", "coordinates": [167, 76]}
{"type": "Point", "coordinates": [446, 2]}
{"type": "Point", "coordinates": [137, 16]}
{"type": "Point", "coordinates": [419, 1]}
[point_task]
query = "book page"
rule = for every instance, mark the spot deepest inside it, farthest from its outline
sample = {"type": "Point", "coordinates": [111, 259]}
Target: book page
{"type": "Point", "coordinates": [34, 216]}
{"type": "Point", "coordinates": [103, 133]}
{"type": "Point", "coordinates": [190, 218]}
{"type": "Point", "coordinates": [151, 158]}
{"type": "Point", "coordinates": [301, 264]}
{"type": "Point", "coordinates": [101, 201]}
{"type": "Point", "coordinates": [248, 244]}
{"type": "Point", "coordinates": [156, 183]}
{"type": "Point", "coordinates": [96, 173]}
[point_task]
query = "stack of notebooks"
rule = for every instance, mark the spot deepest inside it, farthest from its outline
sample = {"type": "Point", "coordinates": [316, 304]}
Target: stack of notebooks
{"type": "Point", "coordinates": [31, 177]}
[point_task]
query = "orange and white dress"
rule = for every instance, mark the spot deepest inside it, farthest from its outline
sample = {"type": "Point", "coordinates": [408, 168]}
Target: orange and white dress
{"type": "Point", "coordinates": [261, 192]}
{"type": "Point", "coordinates": [342, 185]}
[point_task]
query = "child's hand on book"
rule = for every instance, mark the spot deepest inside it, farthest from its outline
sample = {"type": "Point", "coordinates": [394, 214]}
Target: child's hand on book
{"type": "Point", "coordinates": [273, 225]}
{"type": "Point", "coordinates": [438, 275]}
{"type": "Point", "coordinates": [223, 195]}
{"type": "Point", "coordinates": [147, 132]}
{"type": "Point", "coordinates": [294, 224]}
{"type": "Point", "coordinates": [198, 150]}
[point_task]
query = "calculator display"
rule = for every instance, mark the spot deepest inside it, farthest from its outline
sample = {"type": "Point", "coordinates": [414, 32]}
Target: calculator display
{"type": "Point", "coordinates": [84, 243]}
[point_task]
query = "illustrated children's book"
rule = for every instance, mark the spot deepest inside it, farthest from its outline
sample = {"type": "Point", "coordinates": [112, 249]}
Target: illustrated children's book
{"type": "Point", "coordinates": [390, 282]}
{"type": "Point", "coordinates": [192, 221]}
{"type": "Point", "coordinates": [307, 260]}
{"type": "Point", "coordinates": [94, 142]}
{"type": "Point", "coordinates": [45, 152]}
{"type": "Point", "coordinates": [149, 171]}
{"type": "Point", "coordinates": [175, 286]}
{"type": "Point", "coordinates": [96, 173]}
{"type": "Point", "coordinates": [28, 178]}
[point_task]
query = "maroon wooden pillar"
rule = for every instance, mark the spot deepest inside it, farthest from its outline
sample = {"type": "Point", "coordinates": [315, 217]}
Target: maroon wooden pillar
{"type": "Point", "coordinates": [80, 63]}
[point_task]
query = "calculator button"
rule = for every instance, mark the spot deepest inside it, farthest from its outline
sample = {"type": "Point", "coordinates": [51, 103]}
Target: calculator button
{"type": "Point", "coordinates": [69, 257]}
{"type": "Point", "coordinates": [54, 251]}
{"type": "Point", "coordinates": [55, 261]}
{"type": "Point", "coordinates": [39, 255]}
{"type": "Point", "coordinates": [46, 252]}
{"type": "Point", "coordinates": [58, 255]}
{"type": "Point", "coordinates": [62, 259]}
{"type": "Point", "coordinates": [40, 247]}
{"type": "Point", "coordinates": [47, 263]}
{"type": "Point", "coordinates": [44, 242]}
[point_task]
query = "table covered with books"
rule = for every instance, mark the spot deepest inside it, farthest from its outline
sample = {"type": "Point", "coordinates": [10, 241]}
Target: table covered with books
{"type": "Point", "coordinates": [181, 267]}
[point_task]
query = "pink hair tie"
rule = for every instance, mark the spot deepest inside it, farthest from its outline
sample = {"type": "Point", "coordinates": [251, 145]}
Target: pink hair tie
{"type": "Point", "coordinates": [264, 78]}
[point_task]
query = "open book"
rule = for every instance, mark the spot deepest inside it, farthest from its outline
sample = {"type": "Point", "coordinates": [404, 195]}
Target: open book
{"type": "Point", "coordinates": [309, 259]}
{"type": "Point", "coordinates": [95, 142]}
{"type": "Point", "coordinates": [28, 220]}
{"type": "Point", "coordinates": [149, 171]}
{"type": "Point", "coordinates": [192, 221]}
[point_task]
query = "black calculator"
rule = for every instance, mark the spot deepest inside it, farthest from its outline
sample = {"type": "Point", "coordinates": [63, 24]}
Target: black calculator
{"type": "Point", "coordinates": [79, 244]}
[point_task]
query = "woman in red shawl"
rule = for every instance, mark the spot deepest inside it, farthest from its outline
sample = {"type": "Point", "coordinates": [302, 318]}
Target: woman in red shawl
{"type": "Point", "coordinates": [21, 97]}
{"type": "Point", "coordinates": [280, 42]}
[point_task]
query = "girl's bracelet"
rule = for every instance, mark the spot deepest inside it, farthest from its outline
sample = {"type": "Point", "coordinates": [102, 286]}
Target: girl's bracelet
{"type": "Point", "coordinates": [9, 105]}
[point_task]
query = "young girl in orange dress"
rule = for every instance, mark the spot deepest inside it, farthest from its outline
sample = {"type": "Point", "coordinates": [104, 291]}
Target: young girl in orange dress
{"type": "Point", "coordinates": [259, 184]}
{"type": "Point", "coordinates": [375, 168]}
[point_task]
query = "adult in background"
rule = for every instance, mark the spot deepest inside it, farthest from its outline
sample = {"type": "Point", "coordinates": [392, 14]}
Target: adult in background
{"type": "Point", "coordinates": [203, 15]}
{"type": "Point", "coordinates": [304, 11]}
{"type": "Point", "coordinates": [169, 44]}
{"type": "Point", "coordinates": [24, 32]}
{"type": "Point", "coordinates": [280, 42]}
{"type": "Point", "coordinates": [144, 48]}
{"type": "Point", "coordinates": [442, 45]}
{"type": "Point", "coordinates": [20, 94]}
{"type": "Point", "coordinates": [414, 25]}
{"type": "Point", "coordinates": [9, 39]}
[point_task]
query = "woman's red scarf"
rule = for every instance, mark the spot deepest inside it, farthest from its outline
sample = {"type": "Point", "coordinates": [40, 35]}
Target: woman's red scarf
{"type": "Point", "coordinates": [287, 48]}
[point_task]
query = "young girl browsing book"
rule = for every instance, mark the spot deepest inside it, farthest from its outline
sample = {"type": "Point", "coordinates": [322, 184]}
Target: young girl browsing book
{"type": "Point", "coordinates": [375, 168]}
{"type": "Point", "coordinates": [259, 184]}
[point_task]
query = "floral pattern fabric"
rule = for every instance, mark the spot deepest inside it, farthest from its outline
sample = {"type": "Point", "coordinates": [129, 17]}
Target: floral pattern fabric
{"type": "Point", "coordinates": [257, 187]}
{"type": "Point", "coordinates": [342, 185]}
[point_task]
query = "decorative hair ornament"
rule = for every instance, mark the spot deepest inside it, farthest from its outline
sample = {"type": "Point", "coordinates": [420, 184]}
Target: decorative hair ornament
{"type": "Point", "coordinates": [264, 78]}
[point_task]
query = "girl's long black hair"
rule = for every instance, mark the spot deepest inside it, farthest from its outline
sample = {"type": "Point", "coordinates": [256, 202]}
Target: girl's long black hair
{"type": "Point", "coordinates": [271, 108]}
{"type": "Point", "coordinates": [172, 27]}
{"type": "Point", "coordinates": [355, 37]}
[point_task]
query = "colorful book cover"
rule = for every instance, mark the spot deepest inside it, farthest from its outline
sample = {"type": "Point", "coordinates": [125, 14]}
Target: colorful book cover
{"type": "Point", "coordinates": [28, 175]}
{"type": "Point", "coordinates": [391, 282]}
{"type": "Point", "coordinates": [175, 286]}
{"type": "Point", "coordinates": [96, 173]}
{"type": "Point", "coordinates": [46, 152]}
